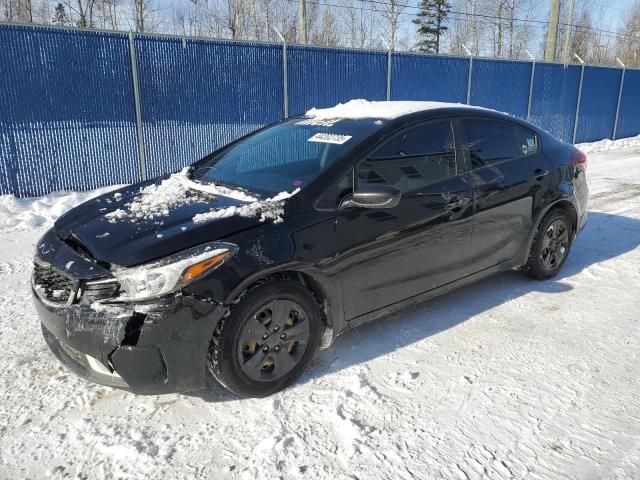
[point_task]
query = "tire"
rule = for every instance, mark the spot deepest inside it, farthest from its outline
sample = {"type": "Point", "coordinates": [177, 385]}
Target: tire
{"type": "Point", "coordinates": [245, 362]}
{"type": "Point", "coordinates": [550, 247]}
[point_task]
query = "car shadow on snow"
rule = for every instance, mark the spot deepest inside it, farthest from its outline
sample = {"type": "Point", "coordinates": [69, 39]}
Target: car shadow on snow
{"type": "Point", "coordinates": [606, 236]}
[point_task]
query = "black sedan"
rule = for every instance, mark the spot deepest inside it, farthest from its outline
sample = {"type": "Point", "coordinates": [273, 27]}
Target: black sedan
{"type": "Point", "coordinates": [244, 264]}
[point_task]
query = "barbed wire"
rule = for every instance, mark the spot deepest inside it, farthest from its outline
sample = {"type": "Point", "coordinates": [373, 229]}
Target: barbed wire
{"type": "Point", "coordinates": [541, 23]}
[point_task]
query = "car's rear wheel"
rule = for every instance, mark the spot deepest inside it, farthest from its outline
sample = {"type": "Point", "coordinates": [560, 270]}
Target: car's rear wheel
{"type": "Point", "coordinates": [267, 341]}
{"type": "Point", "coordinates": [551, 246]}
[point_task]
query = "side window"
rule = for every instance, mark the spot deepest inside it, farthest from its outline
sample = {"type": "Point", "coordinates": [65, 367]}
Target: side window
{"type": "Point", "coordinates": [412, 159]}
{"type": "Point", "coordinates": [528, 141]}
{"type": "Point", "coordinates": [491, 142]}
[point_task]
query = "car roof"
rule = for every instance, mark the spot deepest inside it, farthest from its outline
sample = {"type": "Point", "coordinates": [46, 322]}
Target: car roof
{"type": "Point", "coordinates": [362, 109]}
{"type": "Point", "coordinates": [390, 115]}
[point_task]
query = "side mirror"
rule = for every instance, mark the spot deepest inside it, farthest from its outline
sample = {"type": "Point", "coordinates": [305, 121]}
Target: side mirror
{"type": "Point", "coordinates": [374, 196]}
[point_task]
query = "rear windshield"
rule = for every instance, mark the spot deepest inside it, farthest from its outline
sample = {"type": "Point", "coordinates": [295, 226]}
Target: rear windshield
{"type": "Point", "coordinates": [285, 156]}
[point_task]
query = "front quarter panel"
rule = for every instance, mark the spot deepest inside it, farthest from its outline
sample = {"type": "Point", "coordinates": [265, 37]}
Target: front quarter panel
{"type": "Point", "coordinates": [302, 243]}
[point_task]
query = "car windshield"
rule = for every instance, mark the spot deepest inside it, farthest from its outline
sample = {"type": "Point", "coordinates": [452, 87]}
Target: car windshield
{"type": "Point", "coordinates": [283, 157]}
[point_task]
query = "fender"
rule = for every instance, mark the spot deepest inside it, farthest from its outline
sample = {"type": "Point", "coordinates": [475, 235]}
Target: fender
{"type": "Point", "coordinates": [565, 200]}
{"type": "Point", "coordinates": [328, 287]}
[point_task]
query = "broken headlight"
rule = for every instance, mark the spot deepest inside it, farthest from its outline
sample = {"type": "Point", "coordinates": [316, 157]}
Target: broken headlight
{"type": "Point", "coordinates": [158, 278]}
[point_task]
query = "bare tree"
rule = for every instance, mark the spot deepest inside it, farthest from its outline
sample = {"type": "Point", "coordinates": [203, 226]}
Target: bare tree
{"type": "Point", "coordinates": [233, 16]}
{"type": "Point", "coordinates": [106, 14]}
{"type": "Point", "coordinates": [81, 11]}
{"type": "Point", "coordinates": [475, 37]}
{"type": "Point", "coordinates": [628, 42]}
{"type": "Point", "coordinates": [322, 25]}
{"type": "Point", "coordinates": [17, 11]}
{"type": "Point", "coordinates": [392, 11]}
{"type": "Point", "coordinates": [144, 12]}
{"type": "Point", "coordinates": [496, 9]}
{"type": "Point", "coordinates": [360, 26]}
{"type": "Point", "coordinates": [522, 34]}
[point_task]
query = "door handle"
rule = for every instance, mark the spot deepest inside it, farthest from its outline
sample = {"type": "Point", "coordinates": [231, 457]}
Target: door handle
{"type": "Point", "coordinates": [539, 174]}
{"type": "Point", "coordinates": [457, 202]}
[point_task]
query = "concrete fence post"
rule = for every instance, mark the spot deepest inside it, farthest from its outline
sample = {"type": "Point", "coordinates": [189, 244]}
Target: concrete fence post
{"type": "Point", "coordinates": [138, 110]}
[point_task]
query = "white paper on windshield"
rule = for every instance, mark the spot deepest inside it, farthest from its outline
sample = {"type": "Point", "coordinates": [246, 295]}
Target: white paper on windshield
{"type": "Point", "coordinates": [330, 138]}
{"type": "Point", "coordinates": [319, 122]}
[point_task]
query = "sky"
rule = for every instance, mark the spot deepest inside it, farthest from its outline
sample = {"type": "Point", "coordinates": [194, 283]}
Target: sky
{"type": "Point", "coordinates": [611, 11]}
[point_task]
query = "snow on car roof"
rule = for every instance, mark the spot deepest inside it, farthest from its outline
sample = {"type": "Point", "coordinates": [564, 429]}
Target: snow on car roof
{"type": "Point", "coordinates": [355, 109]}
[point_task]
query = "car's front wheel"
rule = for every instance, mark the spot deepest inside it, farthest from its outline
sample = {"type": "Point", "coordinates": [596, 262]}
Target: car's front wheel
{"type": "Point", "coordinates": [550, 246]}
{"type": "Point", "coordinates": [267, 341]}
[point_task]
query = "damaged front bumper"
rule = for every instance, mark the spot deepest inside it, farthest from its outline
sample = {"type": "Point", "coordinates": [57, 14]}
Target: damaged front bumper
{"type": "Point", "coordinates": [147, 349]}
{"type": "Point", "coordinates": [153, 347]}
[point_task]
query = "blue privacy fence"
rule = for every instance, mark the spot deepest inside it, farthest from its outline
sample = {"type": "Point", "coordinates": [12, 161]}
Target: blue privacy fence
{"type": "Point", "coordinates": [81, 109]}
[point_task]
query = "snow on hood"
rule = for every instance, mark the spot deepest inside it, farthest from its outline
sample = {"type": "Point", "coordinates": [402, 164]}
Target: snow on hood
{"type": "Point", "coordinates": [157, 200]}
{"type": "Point", "coordinates": [355, 109]}
{"type": "Point", "coordinates": [268, 209]}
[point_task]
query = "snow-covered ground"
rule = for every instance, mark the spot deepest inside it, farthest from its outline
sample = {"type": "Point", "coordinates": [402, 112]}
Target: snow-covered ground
{"type": "Point", "coordinates": [508, 378]}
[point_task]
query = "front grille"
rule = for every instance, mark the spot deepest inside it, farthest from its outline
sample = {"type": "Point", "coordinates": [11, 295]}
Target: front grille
{"type": "Point", "coordinates": [100, 290]}
{"type": "Point", "coordinates": [51, 285]}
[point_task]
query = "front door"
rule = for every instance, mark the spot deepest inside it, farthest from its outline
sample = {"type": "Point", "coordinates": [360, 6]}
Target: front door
{"type": "Point", "coordinates": [388, 255]}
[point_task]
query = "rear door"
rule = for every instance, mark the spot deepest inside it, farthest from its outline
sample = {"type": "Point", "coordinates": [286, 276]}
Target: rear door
{"type": "Point", "coordinates": [388, 255]}
{"type": "Point", "coordinates": [509, 175]}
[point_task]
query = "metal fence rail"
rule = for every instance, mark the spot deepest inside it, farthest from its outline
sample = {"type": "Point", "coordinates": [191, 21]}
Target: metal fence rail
{"type": "Point", "coordinates": [81, 109]}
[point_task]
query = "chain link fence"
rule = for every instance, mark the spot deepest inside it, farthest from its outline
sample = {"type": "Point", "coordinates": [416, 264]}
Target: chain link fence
{"type": "Point", "coordinates": [80, 109]}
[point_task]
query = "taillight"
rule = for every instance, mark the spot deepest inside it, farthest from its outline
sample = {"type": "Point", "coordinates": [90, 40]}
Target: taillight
{"type": "Point", "coordinates": [579, 160]}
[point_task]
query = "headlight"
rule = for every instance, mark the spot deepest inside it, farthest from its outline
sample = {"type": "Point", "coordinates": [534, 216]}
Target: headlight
{"type": "Point", "coordinates": [170, 274]}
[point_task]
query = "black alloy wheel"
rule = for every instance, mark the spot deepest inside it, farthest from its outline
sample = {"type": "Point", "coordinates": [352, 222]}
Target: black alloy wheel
{"type": "Point", "coordinates": [554, 244]}
{"type": "Point", "coordinates": [551, 245]}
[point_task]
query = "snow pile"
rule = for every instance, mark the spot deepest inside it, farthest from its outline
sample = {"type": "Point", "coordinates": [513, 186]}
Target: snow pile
{"type": "Point", "coordinates": [268, 209]}
{"type": "Point", "coordinates": [25, 213]}
{"type": "Point", "coordinates": [355, 109]}
{"type": "Point", "coordinates": [607, 145]}
{"type": "Point", "coordinates": [158, 199]}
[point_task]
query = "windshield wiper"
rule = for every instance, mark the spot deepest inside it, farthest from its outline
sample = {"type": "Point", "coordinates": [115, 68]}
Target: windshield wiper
{"type": "Point", "coordinates": [192, 170]}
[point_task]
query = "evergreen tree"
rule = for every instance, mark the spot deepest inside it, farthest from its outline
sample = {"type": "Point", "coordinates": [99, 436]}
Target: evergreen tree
{"type": "Point", "coordinates": [431, 21]}
{"type": "Point", "coordinates": [60, 16]}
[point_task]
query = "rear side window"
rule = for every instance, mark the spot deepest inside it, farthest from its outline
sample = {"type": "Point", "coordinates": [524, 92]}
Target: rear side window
{"type": "Point", "coordinates": [420, 156]}
{"type": "Point", "coordinates": [528, 141]}
{"type": "Point", "coordinates": [491, 142]}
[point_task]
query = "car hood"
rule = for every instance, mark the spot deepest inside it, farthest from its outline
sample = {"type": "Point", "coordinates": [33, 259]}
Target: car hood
{"type": "Point", "coordinates": [106, 228]}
